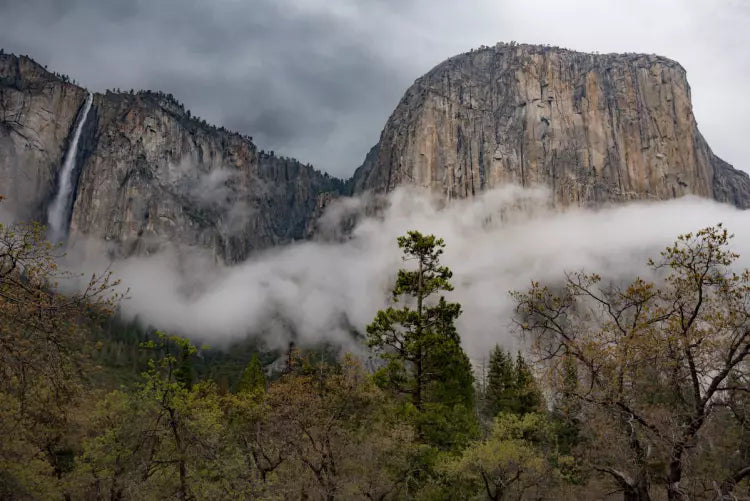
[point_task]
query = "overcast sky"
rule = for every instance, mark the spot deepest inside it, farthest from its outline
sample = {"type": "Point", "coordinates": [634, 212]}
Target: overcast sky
{"type": "Point", "coordinates": [317, 79]}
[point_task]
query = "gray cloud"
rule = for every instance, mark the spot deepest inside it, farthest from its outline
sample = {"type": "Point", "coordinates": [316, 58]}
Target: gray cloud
{"type": "Point", "coordinates": [316, 79]}
{"type": "Point", "coordinates": [495, 242]}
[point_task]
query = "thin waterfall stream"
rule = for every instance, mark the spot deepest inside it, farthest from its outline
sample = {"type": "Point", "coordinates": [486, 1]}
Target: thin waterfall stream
{"type": "Point", "coordinates": [58, 213]}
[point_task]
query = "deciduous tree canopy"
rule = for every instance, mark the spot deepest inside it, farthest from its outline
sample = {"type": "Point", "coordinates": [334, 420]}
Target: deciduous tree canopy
{"type": "Point", "coordinates": [640, 388]}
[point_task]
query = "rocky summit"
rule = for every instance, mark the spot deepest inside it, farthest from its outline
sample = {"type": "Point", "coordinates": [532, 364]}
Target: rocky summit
{"type": "Point", "coordinates": [147, 171]}
{"type": "Point", "coordinates": [593, 128]}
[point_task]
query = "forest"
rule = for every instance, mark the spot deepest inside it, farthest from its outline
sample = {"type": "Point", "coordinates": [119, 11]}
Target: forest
{"type": "Point", "coordinates": [634, 390]}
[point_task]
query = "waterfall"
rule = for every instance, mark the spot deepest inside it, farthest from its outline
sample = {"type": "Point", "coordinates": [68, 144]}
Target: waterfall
{"type": "Point", "coordinates": [58, 213]}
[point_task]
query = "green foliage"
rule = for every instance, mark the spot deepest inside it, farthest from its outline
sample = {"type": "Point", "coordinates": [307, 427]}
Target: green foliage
{"type": "Point", "coordinates": [500, 383]}
{"type": "Point", "coordinates": [43, 351]}
{"type": "Point", "coordinates": [518, 460]}
{"type": "Point", "coordinates": [420, 346]}
{"type": "Point", "coordinates": [566, 409]}
{"type": "Point", "coordinates": [121, 359]}
{"type": "Point", "coordinates": [529, 396]}
{"type": "Point", "coordinates": [253, 379]}
{"type": "Point", "coordinates": [647, 386]}
{"type": "Point", "coordinates": [510, 386]}
{"type": "Point", "coordinates": [184, 371]}
{"type": "Point", "coordinates": [159, 441]}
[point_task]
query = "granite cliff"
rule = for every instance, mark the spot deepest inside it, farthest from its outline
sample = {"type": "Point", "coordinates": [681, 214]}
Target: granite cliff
{"type": "Point", "coordinates": [148, 172]}
{"type": "Point", "coordinates": [37, 114]}
{"type": "Point", "coordinates": [152, 173]}
{"type": "Point", "coordinates": [593, 128]}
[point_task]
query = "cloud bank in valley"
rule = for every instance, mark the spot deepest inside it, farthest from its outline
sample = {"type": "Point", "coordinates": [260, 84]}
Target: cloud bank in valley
{"type": "Point", "coordinates": [321, 290]}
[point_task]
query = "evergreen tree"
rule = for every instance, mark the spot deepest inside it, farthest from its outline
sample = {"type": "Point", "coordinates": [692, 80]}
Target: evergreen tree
{"type": "Point", "coordinates": [510, 386]}
{"type": "Point", "coordinates": [528, 396]}
{"type": "Point", "coordinates": [252, 378]}
{"type": "Point", "coordinates": [500, 383]}
{"type": "Point", "coordinates": [566, 408]}
{"type": "Point", "coordinates": [184, 373]}
{"type": "Point", "coordinates": [421, 347]}
{"type": "Point", "coordinates": [454, 382]}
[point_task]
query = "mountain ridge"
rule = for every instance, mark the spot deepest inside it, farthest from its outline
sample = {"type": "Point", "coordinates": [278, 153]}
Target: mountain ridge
{"type": "Point", "coordinates": [593, 128]}
{"type": "Point", "coordinates": [148, 171]}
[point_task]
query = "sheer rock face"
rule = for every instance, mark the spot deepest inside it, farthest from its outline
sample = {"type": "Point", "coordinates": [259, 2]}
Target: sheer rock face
{"type": "Point", "coordinates": [37, 115]}
{"type": "Point", "coordinates": [147, 173]}
{"type": "Point", "coordinates": [152, 174]}
{"type": "Point", "coordinates": [593, 128]}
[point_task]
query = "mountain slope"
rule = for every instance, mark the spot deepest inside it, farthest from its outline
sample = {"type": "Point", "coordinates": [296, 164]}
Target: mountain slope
{"type": "Point", "coordinates": [147, 172]}
{"type": "Point", "coordinates": [37, 114]}
{"type": "Point", "coordinates": [594, 128]}
{"type": "Point", "coordinates": [152, 173]}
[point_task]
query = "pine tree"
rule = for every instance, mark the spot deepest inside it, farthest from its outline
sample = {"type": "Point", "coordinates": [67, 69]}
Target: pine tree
{"type": "Point", "coordinates": [528, 396]}
{"type": "Point", "coordinates": [292, 358]}
{"type": "Point", "coordinates": [511, 386]}
{"type": "Point", "coordinates": [421, 347]}
{"type": "Point", "coordinates": [252, 378]}
{"type": "Point", "coordinates": [566, 408]}
{"type": "Point", "coordinates": [500, 383]}
{"type": "Point", "coordinates": [454, 383]}
{"type": "Point", "coordinates": [185, 372]}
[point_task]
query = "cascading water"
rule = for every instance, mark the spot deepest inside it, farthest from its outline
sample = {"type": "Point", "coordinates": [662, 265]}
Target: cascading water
{"type": "Point", "coordinates": [57, 215]}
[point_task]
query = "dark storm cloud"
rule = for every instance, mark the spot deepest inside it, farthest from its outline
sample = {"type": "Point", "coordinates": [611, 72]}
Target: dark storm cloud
{"type": "Point", "coordinates": [296, 79]}
{"type": "Point", "coordinates": [316, 79]}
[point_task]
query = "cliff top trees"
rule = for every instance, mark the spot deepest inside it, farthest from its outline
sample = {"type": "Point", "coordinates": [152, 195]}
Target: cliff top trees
{"type": "Point", "coordinates": [656, 362]}
{"type": "Point", "coordinates": [420, 345]}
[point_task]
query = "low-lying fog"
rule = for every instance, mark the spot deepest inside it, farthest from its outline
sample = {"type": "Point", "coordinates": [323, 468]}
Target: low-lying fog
{"type": "Point", "coordinates": [320, 290]}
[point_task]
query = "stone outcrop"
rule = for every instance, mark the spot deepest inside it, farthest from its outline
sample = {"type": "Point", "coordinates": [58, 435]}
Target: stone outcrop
{"type": "Point", "coordinates": [151, 173]}
{"type": "Point", "coordinates": [147, 172]}
{"type": "Point", "coordinates": [593, 128]}
{"type": "Point", "coordinates": [37, 113]}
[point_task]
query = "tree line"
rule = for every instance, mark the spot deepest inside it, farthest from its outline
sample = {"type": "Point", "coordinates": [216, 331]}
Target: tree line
{"type": "Point", "coordinates": [636, 391]}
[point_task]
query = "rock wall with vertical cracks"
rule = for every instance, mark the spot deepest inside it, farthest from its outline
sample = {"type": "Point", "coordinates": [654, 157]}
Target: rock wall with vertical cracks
{"type": "Point", "coordinates": [593, 128]}
{"type": "Point", "coordinates": [147, 172]}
